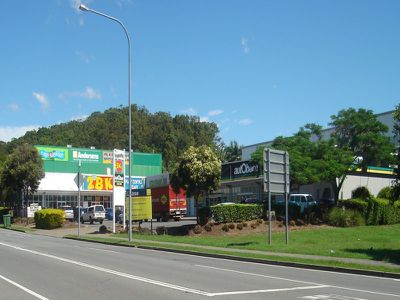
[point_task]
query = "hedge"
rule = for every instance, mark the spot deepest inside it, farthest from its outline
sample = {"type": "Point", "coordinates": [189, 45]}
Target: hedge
{"type": "Point", "coordinates": [49, 218]}
{"type": "Point", "coordinates": [236, 212]}
{"type": "Point", "coordinates": [359, 205]}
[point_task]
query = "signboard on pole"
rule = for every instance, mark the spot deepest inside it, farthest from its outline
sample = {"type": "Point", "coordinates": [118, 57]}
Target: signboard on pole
{"type": "Point", "coordinates": [276, 181]}
{"type": "Point", "coordinates": [119, 167]}
{"type": "Point", "coordinates": [141, 205]}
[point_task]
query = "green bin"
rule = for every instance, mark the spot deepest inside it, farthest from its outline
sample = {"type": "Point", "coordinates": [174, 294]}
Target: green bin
{"type": "Point", "coordinates": [7, 221]}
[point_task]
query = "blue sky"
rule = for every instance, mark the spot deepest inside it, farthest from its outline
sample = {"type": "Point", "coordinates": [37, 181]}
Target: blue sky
{"type": "Point", "coordinates": [258, 69]}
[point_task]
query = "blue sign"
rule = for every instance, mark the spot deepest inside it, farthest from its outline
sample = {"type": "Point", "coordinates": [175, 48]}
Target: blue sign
{"type": "Point", "coordinates": [137, 183]}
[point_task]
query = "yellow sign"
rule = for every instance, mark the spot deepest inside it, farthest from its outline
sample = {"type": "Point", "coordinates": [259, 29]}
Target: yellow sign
{"type": "Point", "coordinates": [141, 208]}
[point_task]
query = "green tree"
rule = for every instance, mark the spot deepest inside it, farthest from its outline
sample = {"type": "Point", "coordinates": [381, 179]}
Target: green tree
{"type": "Point", "coordinates": [312, 159]}
{"type": "Point", "coordinates": [233, 152]}
{"type": "Point", "coordinates": [396, 131]}
{"type": "Point", "coordinates": [22, 171]}
{"type": "Point", "coordinates": [361, 132]}
{"type": "Point", "coordinates": [197, 172]}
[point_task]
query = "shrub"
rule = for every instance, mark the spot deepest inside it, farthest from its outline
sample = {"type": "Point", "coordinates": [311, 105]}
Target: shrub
{"type": "Point", "coordinates": [254, 225]}
{"type": "Point", "coordinates": [208, 227]}
{"type": "Point", "coordinates": [239, 226]}
{"type": "Point", "coordinates": [161, 230]}
{"type": "Point", "coordinates": [381, 212]}
{"type": "Point", "coordinates": [197, 229]}
{"type": "Point", "coordinates": [236, 212]}
{"type": "Point", "coordinates": [359, 205]}
{"type": "Point", "coordinates": [225, 228]}
{"type": "Point", "coordinates": [292, 223]}
{"type": "Point", "coordinates": [386, 193]}
{"type": "Point", "coordinates": [103, 229]}
{"type": "Point", "coordinates": [300, 222]}
{"type": "Point", "coordinates": [204, 214]}
{"type": "Point", "coordinates": [345, 217]}
{"type": "Point", "coordinates": [259, 221]}
{"type": "Point", "coordinates": [231, 226]}
{"type": "Point", "coordinates": [49, 218]}
{"type": "Point", "coordinates": [361, 192]}
{"type": "Point", "coordinates": [245, 224]}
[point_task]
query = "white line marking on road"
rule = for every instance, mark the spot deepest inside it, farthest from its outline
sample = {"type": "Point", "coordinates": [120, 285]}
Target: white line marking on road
{"type": "Point", "coordinates": [24, 288]}
{"type": "Point", "coordinates": [258, 275]}
{"type": "Point", "coordinates": [113, 272]}
{"type": "Point", "coordinates": [365, 291]}
{"type": "Point", "coordinates": [298, 281]}
{"type": "Point", "coordinates": [268, 290]}
{"type": "Point", "coordinates": [98, 249]}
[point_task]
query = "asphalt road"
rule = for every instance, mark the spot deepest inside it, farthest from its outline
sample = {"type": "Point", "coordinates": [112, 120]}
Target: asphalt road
{"type": "Point", "coordinates": [41, 267]}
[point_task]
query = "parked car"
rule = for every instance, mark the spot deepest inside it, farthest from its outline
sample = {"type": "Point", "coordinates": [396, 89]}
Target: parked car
{"type": "Point", "coordinates": [69, 213]}
{"type": "Point", "coordinates": [94, 213]}
{"type": "Point", "coordinates": [302, 200]}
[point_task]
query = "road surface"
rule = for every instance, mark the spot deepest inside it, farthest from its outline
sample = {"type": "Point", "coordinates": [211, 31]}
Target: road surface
{"type": "Point", "coordinates": [42, 267]}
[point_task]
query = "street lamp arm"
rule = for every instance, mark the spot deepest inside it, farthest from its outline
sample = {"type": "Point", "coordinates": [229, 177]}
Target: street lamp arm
{"type": "Point", "coordinates": [85, 8]}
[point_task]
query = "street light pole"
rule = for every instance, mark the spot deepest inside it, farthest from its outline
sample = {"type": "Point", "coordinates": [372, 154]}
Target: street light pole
{"type": "Point", "coordinates": [85, 8]}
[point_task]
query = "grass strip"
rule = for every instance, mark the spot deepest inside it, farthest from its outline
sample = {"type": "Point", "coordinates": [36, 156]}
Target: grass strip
{"type": "Point", "coordinates": [316, 262]}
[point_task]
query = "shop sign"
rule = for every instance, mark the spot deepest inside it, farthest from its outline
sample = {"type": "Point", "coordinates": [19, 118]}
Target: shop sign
{"type": "Point", "coordinates": [107, 157]}
{"type": "Point", "coordinates": [97, 183]}
{"type": "Point", "coordinates": [50, 153]}
{"type": "Point", "coordinates": [242, 169]}
{"type": "Point", "coordinates": [119, 167]}
{"type": "Point", "coordinates": [86, 155]}
{"type": "Point", "coordinates": [137, 182]}
{"type": "Point", "coordinates": [141, 207]}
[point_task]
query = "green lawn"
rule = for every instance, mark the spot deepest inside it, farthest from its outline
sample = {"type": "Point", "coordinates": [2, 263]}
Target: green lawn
{"type": "Point", "coordinates": [381, 243]}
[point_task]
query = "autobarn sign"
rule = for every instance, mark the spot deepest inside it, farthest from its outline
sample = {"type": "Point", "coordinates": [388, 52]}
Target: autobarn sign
{"type": "Point", "coordinates": [241, 169]}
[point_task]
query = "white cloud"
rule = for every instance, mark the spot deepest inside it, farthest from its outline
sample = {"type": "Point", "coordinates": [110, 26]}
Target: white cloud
{"type": "Point", "coordinates": [91, 93]}
{"type": "Point", "coordinates": [42, 99]}
{"type": "Point", "coordinates": [245, 45]}
{"type": "Point", "coordinates": [88, 93]}
{"type": "Point", "coordinates": [7, 133]}
{"type": "Point", "coordinates": [83, 56]}
{"type": "Point", "coordinates": [215, 112]}
{"type": "Point", "coordinates": [75, 4]}
{"type": "Point", "coordinates": [189, 111]}
{"type": "Point", "coordinates": [13, 106]}
{"type": "Point", "coordinates": [204, 119]}
{"type": "Point", "coordinates": [245, 122]}
{"type": "Point", "coordinates": [81, 22]}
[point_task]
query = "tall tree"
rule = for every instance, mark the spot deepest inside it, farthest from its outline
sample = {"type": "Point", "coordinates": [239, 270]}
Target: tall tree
{"type": "Point", "coordinates": [22, 171]}
{"type": "Point", "coordinates": [233, 152]}
{"type": "Point", "coordinates": [361, 132]}
{"type": "Point", "coordinates": [312, 159]}
{"type": "Point", "coordinates": [197, 172]}
{"type": "Point", "coordinates": [396, 131]}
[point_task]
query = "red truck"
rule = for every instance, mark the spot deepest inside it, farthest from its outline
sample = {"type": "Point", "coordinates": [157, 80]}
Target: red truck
{"type": "Point", "coordinates": [167, 204]}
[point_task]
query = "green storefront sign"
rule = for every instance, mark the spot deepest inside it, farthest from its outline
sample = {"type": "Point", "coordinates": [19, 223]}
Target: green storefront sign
{"type": "Point", "coordinates": [95, 156]}
{"type": "Point", "coordinates": [53, 153]}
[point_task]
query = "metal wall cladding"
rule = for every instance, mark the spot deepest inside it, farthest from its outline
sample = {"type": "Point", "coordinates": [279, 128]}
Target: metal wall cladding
{"type": "Point", "coordinates": [144, 164]}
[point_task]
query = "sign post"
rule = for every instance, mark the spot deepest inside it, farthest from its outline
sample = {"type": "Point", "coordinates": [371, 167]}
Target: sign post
{"type": "Point", "coordinates": [276, 181]}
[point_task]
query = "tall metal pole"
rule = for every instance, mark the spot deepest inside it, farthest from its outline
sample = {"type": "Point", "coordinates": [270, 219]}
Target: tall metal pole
{"type": "Point", "coordinates": [286, 197]}
{"type": "Point", "coordinates": [269, 201]}
{"type": "Point", "coordinates": [84, 8]}
{"type": "Point", "coordinates": [79, 198]}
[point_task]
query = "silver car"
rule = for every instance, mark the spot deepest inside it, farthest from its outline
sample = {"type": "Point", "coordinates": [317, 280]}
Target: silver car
{"type": "Point", "coordinates": [94, 213]}
{"type": "Point", "coordinates": [69, 212]}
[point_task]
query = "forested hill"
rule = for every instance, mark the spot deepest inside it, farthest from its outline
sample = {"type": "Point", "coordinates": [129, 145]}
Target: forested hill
{"type": "Point", "coordinates": [159, 132]}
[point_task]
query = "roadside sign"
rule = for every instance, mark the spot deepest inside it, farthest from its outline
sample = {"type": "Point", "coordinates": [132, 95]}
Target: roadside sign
{"type": "Point", "coordinates": [276, 181]}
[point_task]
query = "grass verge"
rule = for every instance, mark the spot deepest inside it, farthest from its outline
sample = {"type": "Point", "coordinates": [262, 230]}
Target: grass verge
{"type": "Point", "coordinates": [376, 243]}
{"type": "Point", "coordinates": [313, 262]}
